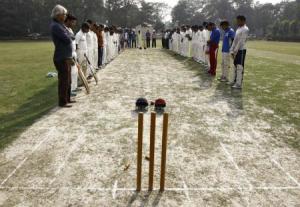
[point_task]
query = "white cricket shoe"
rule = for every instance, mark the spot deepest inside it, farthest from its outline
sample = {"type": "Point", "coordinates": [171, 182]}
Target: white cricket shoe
{"type": "Point", "coordinates": [236, 86]}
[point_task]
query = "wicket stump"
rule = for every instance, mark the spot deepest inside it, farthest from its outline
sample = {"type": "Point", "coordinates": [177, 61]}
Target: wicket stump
{"type": "Point", "coordinates": [152, 151]}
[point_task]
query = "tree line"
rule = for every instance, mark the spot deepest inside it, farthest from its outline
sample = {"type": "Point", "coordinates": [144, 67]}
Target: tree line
{"type": "Point", "coordinates": [18, 18]}
{"type": "Point", "coordinates": [280, 21]}
{"type": "Point", "coordinates": [272, 21]}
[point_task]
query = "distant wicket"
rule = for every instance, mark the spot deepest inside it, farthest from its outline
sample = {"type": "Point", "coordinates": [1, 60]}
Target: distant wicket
{"type": "Point", "coordinates": [152, 151]}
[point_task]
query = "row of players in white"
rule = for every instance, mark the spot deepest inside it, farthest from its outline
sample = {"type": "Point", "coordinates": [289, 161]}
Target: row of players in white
{"type": "Point", "coordinates": [87, 44]}
{"type": "Point", "coordinates": [195, 48]}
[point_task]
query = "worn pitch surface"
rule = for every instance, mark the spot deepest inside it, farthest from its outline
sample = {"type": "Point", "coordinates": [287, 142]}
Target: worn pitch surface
{"type": "Point", "coordinates": [219, 153]}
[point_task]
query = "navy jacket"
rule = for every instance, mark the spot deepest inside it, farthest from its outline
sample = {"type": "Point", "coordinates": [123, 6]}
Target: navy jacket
{"type": "Point", "coordinates": [62, 40]}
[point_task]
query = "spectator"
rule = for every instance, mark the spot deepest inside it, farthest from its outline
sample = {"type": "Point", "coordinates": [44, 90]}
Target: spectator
{"type": "Point", "coordinates": [148, 38]}
{"type": "Point", "coordinates": [154, 39]}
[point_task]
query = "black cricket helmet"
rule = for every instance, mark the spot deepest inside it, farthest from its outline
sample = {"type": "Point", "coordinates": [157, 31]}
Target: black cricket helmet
{"type": "Point", "coordinates": [141, 104]}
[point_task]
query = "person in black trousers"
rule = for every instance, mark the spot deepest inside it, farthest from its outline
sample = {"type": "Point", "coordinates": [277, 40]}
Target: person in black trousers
{"type": "Point", "coordinates": [148, 38]}
{"type": "Point", "coordinates": [154, 39]}
{"type": "Point", "coordinates": [133, 40]}
{"type": "Point", "coordinates": [63, 61]}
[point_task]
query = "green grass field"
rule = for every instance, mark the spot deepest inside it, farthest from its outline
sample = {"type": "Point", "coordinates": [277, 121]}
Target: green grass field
{"type": "Point", "coordinates": [26, 93]}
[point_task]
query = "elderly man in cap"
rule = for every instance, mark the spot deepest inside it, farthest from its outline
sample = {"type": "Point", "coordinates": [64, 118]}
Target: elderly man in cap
{"type": "Point", "coordinates": [63, 61]}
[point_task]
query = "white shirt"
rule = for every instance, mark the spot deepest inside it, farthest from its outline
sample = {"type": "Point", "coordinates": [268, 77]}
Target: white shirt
{"type": "Point", "coordinates": [239, 42]}
{"type": "Point", "coordinates": [74, 55]}
{"type": "Point", "coordinates": [95, 41]}
{"type": "Point", "coordinates": [89, 40]}
{"type": "Point", "coordinates": [104, 39]}
{"type": "Point", "coordinates": [81, 43]}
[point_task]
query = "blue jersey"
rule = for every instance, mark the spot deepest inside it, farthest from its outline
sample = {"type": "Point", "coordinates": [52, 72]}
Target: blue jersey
{"type": "Point", "coordinates": [228, 39]}
{"type": "Point", "coordinates": [215, 36]}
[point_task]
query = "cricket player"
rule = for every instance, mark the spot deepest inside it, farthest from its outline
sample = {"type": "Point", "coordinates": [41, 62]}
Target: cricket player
{"type": "Point", "coordinates": [213, 44]}
{"type": "Point", "coordinates": [189, 43]}
{"type": "Point", "coordinates": [206, 36]}
{"type": "Point", "coordinates": [195, 43]}
{"type": "Point", "coordinates": [92, 41]}
{"type": "Point", "coordinates": [95, 46]}
{"type": "Point", "coordinates": [228, 38]}
{"type": "Point", "coordinates": [70, 23]}
{"type": "Point", "coordinates": [139, 39]}
{"type": "Point", "coordinates": [81, 46]}
{"type": "Point", "coordinates": [238, 52]}
{"type": "Point", "coordinates": [182, 41]}
{"type": "Point", "coordinates": [105, 45]}
{"type": "Point", "coordinates": [202, 45]}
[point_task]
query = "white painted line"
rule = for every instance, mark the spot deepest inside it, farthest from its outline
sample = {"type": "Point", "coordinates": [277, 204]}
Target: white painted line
{"type": "Point", "coordinates": [76, 144]}
{"type": "Point", "coordinates": [287, 173]}
{"type": "Point", "coordinates": [14, 171]}
{"type": "Point", "coordinates": [265, 188]}
{"type": "Point", "coordinates": [231, 159]}
{"type": "Point", "coordinates": [186, 191]}
{"type": "Point", "coordinates": [114, 190]}
{"type": "Point", "coordinates": [25, 159]}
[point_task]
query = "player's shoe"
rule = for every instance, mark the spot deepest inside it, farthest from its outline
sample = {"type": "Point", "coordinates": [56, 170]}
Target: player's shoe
{"type": "Point", "coordinates": [236, 86]}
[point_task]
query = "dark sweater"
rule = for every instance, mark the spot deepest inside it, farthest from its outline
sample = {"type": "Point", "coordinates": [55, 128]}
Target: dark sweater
{"type": "Point", "coordinates": [62, 40]}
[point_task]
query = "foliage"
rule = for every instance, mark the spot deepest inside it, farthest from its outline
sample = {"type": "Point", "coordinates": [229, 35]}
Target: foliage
{"type": "Point", "coordinates": [277, 21]}
{"type": "Point", "coordinates": [19, 18]}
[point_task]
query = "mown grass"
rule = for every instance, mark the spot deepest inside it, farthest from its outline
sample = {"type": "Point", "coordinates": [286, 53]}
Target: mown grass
{"type": "Point", "coordinates": [272, 84]}
{"type": "Point", "coordinates": [26, 93]}
{"type": "Point", "coordinates": [276, 85]}
{"type": "Point", "coordinates": [289, 48]}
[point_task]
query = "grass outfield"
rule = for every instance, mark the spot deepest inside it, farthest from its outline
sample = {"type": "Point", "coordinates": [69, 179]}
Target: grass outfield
{"type": "Point", "coordinates": [26, 94]}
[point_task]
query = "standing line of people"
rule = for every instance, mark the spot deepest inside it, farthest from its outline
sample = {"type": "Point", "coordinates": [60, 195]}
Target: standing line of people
{"type": "Point", "coordinates": [202, 44]}
{"type": "Point", "coordinates": [93, 47]}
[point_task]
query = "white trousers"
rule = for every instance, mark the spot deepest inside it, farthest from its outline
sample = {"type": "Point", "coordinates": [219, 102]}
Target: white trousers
{"type": "Point", "coordinates": [225, 64]}
{"type": "Point", "coordinates": [74, 77]}
{"type": "Point", "coordinates": [104, 60]}
{"type": "Point", "coordinates": [95, 63]}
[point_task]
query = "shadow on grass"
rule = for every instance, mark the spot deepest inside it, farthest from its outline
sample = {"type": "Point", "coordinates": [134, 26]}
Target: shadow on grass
{"type": "Point", "coordinates": [13, 124]}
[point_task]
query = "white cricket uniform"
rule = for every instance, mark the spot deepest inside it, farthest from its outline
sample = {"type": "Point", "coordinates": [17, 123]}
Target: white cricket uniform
{"type": "Point", "coordinates": [202, 47]}
{"type": "Point", "coordinates": [74, 69]}
{"type": "Point", "coordinates": [176, 42]}
{"type": "Point", "coordinates": [95, 50]}
{"type": "Point", "coordinates": [195, 46]}
{"type": "Point", "coordinates": [206, 35]}
{"type": "Point", "coordinates": [182, 43]}
{"type": "Point", "coordinates": [189, 44]}
{"type": "Point", "coordinates": [90, 46]}
{"type": "Point", "coordinates": [238, 49]}
{"type": "Point", "coordinates": [108, 47]}
{"type": "Point", "coordinates": [104, 57]}
{"type": "Point", "coordinates": [81, 43]}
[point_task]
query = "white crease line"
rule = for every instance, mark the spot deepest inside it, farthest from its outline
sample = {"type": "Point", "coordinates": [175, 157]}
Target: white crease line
{"type": "Point", "coordinates": [278, 165]}
{"type": "Point", "coordinates": [287, 173]}
{"type": "Point", "coordinates": [25, 159]}
{"type": "Point", "coordinates": [229, 156]}
{"type": "Point", "coordinates": [114, 190]}
{"type": "Point", "coordinates": [156, 189]}
{"type": "Point", "coordinates": [62, 165]}
{"type": "Point", "coordinates": [186, 191]}
{"type": "Point", "coordinates": [14, 171]}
